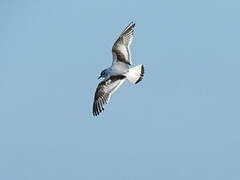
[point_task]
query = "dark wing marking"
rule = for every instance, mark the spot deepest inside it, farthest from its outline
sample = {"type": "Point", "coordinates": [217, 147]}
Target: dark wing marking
{"type": "Point", "coordinates": [120, 49]}
{"type": "Point", "coordinates": [104, 91]}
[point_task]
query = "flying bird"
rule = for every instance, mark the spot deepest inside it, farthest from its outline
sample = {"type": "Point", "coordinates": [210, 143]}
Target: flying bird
{"type": "Point", "coordinates": [119, 71]}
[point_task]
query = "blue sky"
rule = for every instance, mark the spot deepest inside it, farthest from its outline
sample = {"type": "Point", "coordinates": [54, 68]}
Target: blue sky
{"type": "Point", "coordinates": [181, 122]}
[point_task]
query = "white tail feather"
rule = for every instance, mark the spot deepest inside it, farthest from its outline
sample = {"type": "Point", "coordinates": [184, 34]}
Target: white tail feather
{"type": "Point", "coordinates": [135, 74]}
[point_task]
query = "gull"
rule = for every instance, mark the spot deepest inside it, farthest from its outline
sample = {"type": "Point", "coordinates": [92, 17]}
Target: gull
{"type": "Point", "coordinates": [119, 71]}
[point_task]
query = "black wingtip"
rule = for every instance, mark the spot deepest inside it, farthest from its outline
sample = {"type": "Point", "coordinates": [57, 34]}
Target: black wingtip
{"type": "Point", "coordinates": [96, 113]}
{"type": "Point", "coordinates": [132, 24]}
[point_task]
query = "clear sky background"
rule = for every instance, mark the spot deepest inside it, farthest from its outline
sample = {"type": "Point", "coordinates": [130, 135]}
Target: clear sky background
{"type": "Point", "coordinates": [181, 122]}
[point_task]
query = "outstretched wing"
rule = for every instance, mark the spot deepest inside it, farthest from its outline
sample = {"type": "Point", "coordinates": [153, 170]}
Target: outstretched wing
{"type": "Point", "coordinates": [104, 91]}
{"type": "Point", "coordinates": [120, 49]}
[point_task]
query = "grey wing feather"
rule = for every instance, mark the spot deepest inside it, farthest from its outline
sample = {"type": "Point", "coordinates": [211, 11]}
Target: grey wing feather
{"type": "Point", "coordinates": [120, 49]}
{"type": "Point", "coordinates": [104, 91]}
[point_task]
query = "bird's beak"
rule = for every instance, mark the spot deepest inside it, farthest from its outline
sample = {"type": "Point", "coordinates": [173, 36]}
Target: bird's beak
{"type": "Point", "coordinates": [99, 77]}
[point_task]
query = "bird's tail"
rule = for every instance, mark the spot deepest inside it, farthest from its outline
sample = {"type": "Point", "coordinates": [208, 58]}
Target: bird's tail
{"type": "Point", "coordinates": [135, 74]}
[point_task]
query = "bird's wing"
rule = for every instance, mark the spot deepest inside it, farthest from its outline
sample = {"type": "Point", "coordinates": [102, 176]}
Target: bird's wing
{"type": "Point", "coordinates": [104, 91]}
{"type": "Point", "coordinates": [120, 49]}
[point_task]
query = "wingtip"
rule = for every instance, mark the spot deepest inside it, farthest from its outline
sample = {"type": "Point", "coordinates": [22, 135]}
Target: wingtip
{"type": "Point", "coordinates": [97, 110]}
{"type": "Point", "coordinates": [132, 24]}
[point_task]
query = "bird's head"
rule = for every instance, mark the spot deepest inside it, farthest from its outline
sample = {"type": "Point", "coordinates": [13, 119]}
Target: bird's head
{"type": "Point", "coordinates": [103, 74]}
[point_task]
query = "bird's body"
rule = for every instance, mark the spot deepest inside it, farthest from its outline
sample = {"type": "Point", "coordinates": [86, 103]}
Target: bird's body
{"type": "Point", "coordinates": [119, 71]}
{"type": "Point", "coordinates": [116, 69]}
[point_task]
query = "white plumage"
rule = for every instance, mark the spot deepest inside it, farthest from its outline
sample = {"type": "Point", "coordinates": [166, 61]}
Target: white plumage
{"type": "Point", "coordinates": [116, 75]}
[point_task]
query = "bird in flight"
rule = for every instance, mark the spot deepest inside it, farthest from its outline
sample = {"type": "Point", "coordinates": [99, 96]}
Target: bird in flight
{"type": "Point", "coordinates": [119, 71]}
